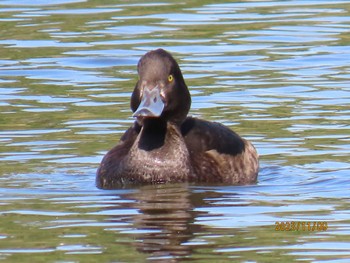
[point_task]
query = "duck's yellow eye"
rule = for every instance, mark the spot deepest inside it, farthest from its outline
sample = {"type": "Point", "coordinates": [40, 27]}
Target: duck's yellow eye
{"type": "Point", "coordinates": [170, 78]}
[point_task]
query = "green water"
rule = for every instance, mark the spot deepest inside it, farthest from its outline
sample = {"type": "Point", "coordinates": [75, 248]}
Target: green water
{"type": "Point", "coordinates": [277, 72]}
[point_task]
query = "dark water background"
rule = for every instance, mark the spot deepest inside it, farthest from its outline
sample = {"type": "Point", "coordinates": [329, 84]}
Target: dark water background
{"type": "Point", "coordinates": [277, 72]}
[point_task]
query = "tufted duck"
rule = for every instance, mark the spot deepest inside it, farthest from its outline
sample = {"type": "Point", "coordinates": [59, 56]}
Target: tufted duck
{"type": "Point", "coordinates": [164, 145]}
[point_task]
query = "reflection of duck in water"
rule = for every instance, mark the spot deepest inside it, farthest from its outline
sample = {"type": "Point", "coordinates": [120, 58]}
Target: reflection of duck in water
{"type": "Point", "coordinates": [166, 227]}
{"type": "Point", "coordinates": [164, 145]}
{"type": "Point", "coordinates": [165, 221]}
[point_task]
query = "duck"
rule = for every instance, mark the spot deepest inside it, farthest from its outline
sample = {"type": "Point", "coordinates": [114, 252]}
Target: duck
{"type": "Point", "coordinates": [165, 145]}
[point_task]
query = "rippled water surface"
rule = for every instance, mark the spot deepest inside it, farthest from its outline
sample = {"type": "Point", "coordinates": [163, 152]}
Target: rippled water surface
{"type": "Point", "coordinates": [277, 72]}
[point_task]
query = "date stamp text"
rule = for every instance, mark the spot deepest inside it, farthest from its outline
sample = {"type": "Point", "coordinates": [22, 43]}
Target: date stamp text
{"type": "Point", "coordinates": [301, 226]}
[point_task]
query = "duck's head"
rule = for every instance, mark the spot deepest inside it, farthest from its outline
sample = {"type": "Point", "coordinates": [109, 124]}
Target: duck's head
{"type": "Point", "coordinates": [161, 91]}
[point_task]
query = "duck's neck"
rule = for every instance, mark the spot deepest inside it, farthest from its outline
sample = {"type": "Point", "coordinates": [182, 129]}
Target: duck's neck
{"type": "Point", "coordinates": [161, 141]}
{"type": "Point", "coordinates": [161, 152]}
{"type": "Point", "coordinates": [152, 134]}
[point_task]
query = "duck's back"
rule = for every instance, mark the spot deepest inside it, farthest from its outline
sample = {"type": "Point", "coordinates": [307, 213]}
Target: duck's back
{"type": "Point", "coordinates": [219, 155]}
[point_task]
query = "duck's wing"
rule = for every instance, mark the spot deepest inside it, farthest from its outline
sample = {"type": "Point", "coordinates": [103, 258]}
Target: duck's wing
{"type": "Point", "coordinates": [219, 154]}
{"type": "Point", "coordinates": [202, 136]}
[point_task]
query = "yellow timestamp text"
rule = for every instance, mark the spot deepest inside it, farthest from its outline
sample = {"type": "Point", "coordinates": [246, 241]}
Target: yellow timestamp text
{"type": "Point", "coordinates": [301, 226]}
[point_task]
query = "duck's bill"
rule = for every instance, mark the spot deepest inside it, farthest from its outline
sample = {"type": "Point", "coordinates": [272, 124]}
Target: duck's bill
{"type": "Point", "coordinates": [151, 104]}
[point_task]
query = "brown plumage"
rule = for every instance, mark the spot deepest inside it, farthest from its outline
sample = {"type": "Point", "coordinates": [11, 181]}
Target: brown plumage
{"type": "Point", "coordinates": [164, 145]}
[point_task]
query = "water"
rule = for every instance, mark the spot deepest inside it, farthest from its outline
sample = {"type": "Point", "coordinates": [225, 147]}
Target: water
{"type": "Point", "coordinates": [277, 72]}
